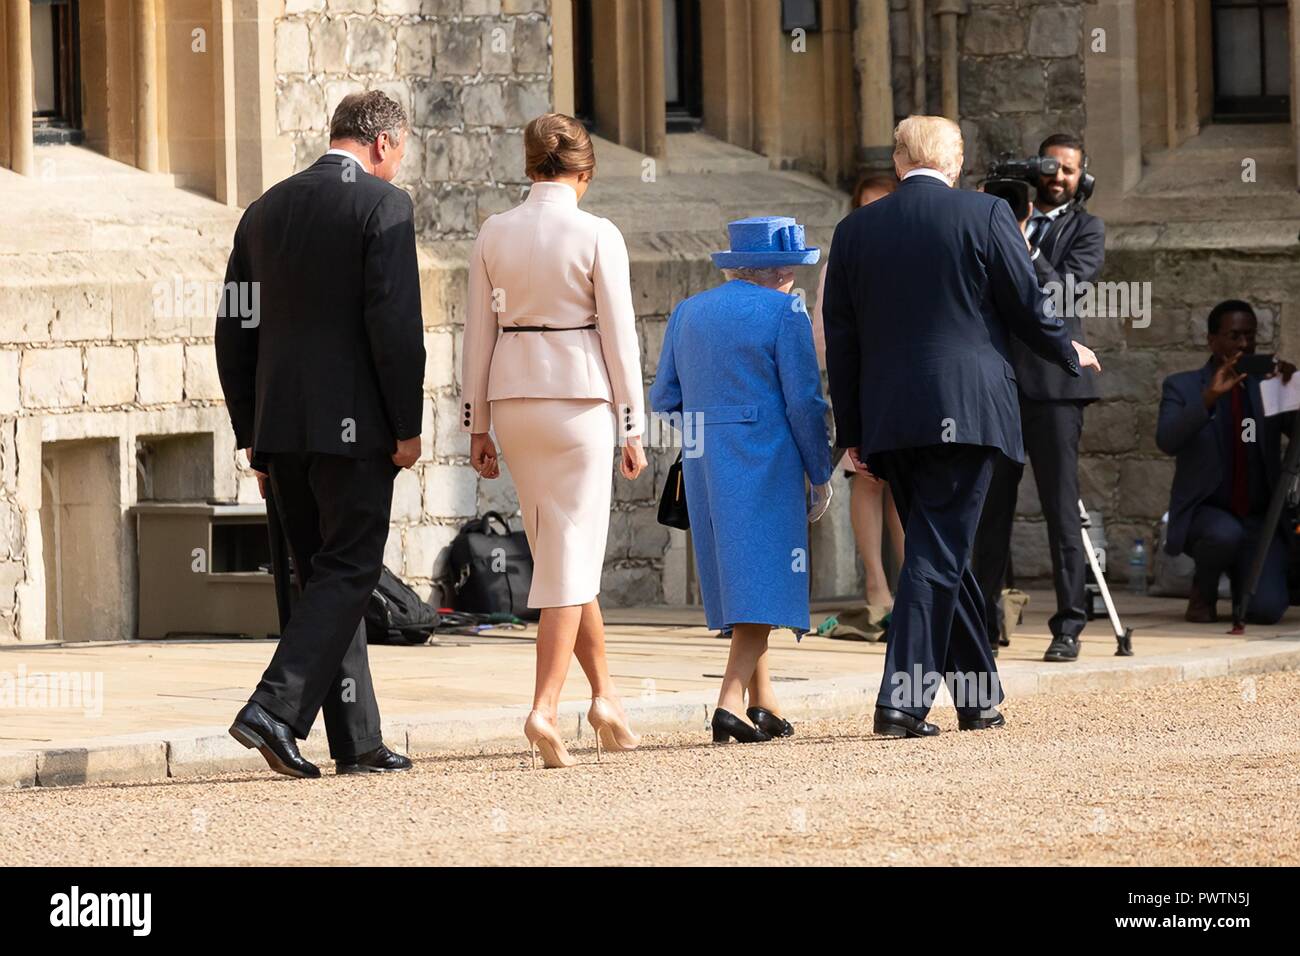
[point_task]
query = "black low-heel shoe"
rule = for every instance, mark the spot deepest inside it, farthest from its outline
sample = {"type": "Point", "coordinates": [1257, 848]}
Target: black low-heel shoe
{"type": "Point", "coordinates": [983, 720]}
{"type": "Point", "coordinates": [894, 723]}
{"type": "Point", "coordinates": [257, 729]}
{"type": "Point", "coordinates": [727, 725]}
{"type": "Point", "coordinates": [770, 723]}
{"type": "Point", "coordinates": [379, 760]}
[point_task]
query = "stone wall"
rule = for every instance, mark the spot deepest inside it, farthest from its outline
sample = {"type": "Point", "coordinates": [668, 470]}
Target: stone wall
{"type": "Point", "coordinates": [102, 359]}
{"type": "Point", "coordinates": [1020, 76]}
{"type": "Point", "coordinates": [470, 73]}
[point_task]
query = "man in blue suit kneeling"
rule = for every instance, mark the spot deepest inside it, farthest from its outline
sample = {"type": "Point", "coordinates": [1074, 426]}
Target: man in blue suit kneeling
{"type": "Point", "coordinates": [1229, 461]}
{"type": "Point", "coordinates": [923, 290]}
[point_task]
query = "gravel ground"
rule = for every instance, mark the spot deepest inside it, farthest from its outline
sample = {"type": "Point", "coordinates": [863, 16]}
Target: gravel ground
{"type": "Point", "coordinates": [1195, 773]}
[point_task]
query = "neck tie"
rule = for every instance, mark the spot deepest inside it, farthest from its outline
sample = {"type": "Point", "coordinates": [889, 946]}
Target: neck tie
{"type": "Point", "coordinates": [1037, 227]}
{"type": "Point", "coordinates": [1240, 481]}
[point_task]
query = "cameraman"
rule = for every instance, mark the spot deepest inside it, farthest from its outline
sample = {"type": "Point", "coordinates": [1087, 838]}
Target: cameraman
{"type": "Point", "coordinates": [1063, 240]}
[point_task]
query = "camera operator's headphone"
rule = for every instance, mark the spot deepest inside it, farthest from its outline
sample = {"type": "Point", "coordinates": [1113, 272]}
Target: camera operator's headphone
{"type": "Point", "coordinates": [1087, 182]}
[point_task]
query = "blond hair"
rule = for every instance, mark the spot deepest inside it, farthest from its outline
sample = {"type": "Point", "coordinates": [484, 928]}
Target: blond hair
{"type": "Point", "coordinates": [557, 145]}
{"type": "Point", "coordinates": [931, 141]}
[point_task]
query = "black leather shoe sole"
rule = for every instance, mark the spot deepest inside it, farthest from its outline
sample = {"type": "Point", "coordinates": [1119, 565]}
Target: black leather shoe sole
{"type": "Point", "coordinates": [1061, 655]}
{"type": "Point", "coordinates": [888, 728]}
{"type": "Point", "coordinates": [254, 741]}
{"type": "Point", "coordinates": [980, 723]}
{"type": "Point", "coordinates": [344, 768]}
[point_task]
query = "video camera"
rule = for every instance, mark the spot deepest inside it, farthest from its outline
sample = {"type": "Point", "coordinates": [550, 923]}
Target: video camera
{"type": "Point", "coordinates": [1006, 176]}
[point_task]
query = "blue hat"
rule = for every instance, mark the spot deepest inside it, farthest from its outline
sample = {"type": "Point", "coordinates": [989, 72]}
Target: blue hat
{"type": "Point", "coordinates": [765, 241]}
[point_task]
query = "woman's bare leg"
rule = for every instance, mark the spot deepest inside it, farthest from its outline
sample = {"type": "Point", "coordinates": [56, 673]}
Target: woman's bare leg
{"type": "Point", "coordinates": [865, 503]}
{"type": "Point", "coordinates": [761, 692]}
{"type": "Point", "coordinates": [557, 632]}
{"type": "Point", "coordinates": [748, 643]}
{"type": "Point", "coordinates": [590, 650]}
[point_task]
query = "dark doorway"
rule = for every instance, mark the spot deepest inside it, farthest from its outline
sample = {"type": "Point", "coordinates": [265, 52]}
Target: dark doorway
{"type": "Point", "coordinates": [1252, 75]}
{"type": "Point", "coordinates": [56, 72]}
{"type": "Point", "coordinates": [584, 65]}
{"type": "Point", "coordinates": [683, 85]}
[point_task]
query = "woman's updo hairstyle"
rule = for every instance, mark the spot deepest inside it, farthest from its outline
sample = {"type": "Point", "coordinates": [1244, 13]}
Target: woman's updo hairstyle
{"type": "Point", "coordinates": [557, 145]}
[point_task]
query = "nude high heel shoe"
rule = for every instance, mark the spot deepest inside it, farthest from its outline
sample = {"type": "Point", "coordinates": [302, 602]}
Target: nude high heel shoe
{"type": "Point", "coordinates": [611, 731]}
{"type": "Point", "coordinates": [543, 736]}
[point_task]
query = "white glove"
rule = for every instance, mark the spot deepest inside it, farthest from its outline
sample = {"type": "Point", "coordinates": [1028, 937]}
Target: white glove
{"type": "Point", "coordinates": [819, 499]}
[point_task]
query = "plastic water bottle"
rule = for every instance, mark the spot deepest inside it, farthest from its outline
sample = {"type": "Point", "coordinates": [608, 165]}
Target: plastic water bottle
{"type": "Point", "coordinates": [1137, 568]}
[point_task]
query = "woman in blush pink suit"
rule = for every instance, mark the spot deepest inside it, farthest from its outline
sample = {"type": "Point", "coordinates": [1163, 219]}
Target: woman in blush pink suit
{"type": "Point", "coordinates": [552, 365]}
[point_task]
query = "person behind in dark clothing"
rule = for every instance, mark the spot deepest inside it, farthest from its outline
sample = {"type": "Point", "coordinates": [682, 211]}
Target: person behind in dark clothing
{"type": "Point", "coordinates": [1229, 459]}
{"type": "Point", "coordinates": [1065, 240]}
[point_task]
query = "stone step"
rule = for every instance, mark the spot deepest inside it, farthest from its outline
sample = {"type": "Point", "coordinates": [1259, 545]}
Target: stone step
{"type": "Point", "coordinates": [1221, 155]}
{"type": "Point", "coordinates": [709, 202]}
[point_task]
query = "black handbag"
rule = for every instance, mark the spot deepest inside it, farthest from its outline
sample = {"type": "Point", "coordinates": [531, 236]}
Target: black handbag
{"type": "Point", "coordinates": [672, 500]}
{"type": "Point", "coordinates": [395, 614]}
{"type": "Point", "coordinates": [493, 569]}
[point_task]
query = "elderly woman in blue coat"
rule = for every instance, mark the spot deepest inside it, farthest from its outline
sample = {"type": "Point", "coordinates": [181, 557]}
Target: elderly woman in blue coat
{"type": "Point", "coordinates": [739, 367]}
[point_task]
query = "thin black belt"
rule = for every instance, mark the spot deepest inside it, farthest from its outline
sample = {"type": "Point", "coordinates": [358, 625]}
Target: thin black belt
{"type": "Point", "coordinates": [546, 328]}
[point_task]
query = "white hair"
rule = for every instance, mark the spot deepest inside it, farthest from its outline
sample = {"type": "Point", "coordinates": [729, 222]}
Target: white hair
{"type": "Point", "coordinates": [930, 141]}
{"type": "Point", "coordinates": [771, 276]}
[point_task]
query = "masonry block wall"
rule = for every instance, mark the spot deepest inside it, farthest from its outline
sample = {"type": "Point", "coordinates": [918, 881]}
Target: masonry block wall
{"type": "Point", "coordinates": [470, 74]}
{"type": "Point", "coordinates": [1020, 75]}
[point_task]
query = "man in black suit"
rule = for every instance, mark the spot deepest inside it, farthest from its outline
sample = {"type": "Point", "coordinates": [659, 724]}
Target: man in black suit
{"type": "Point", "coordinates": [323, 380]}
{"type": "Point", "coordinates": [923, 291]}
{"type": "Point", "coordinates": [1065, 241]}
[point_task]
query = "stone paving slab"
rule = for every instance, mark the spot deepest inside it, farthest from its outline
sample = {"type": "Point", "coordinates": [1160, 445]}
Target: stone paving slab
{"type": "Point", "coordinates": [165, 706]}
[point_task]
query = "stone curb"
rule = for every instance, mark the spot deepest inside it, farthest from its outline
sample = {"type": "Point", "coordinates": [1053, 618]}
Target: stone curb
{"type": "Point", "coordinates": [200, 751]}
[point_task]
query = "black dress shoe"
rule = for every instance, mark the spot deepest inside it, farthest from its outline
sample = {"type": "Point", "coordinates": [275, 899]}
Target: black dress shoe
{"type": "Point", "coordinates": [727, 725]}
{"type": "Point", "coordinates": [984, 720]}
{"type": "Point", "coordinates": [379, 760]}
{"type": "Point", "coordinates": [255, 728]}
{"type": "Point", "coordinates": [770, 723]}
{"type": "Point", "coordinates": [1063, 649]}
{"type": "Point", "coordinates": [895, 723]}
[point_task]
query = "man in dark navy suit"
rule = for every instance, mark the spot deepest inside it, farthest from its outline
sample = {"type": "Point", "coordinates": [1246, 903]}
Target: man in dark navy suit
{"type": "Point", "coordinates": [1229, 460]}
{"type": "Point", "coordinates": [923, 290]}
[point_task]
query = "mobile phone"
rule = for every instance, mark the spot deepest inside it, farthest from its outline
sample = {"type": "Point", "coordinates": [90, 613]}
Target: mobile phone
{"type": "Point", "coordinates": [1255, 364]}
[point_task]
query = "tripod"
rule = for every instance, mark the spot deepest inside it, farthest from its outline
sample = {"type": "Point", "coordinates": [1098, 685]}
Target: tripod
{"type": "Point", "coordinates": [1245, 593]}
{"type": "Point", "coordinates": [1123, 635]}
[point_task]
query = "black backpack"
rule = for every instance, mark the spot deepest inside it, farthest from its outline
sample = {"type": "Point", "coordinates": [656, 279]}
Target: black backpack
{"type": "Point", "coordinates": [492, 570]}
{"type": "Point", "coordinates": [396, 615]}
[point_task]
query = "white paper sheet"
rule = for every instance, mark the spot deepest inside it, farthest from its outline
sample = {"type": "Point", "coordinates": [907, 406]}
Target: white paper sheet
{"type": "Point", "coordinates": [1279, 398]}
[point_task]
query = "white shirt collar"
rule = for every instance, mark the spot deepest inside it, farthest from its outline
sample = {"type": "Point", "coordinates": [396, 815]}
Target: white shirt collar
{"type": "Point", "coordinates": [549, 191]}
{"type": "Point", "coordinates": [345, 154]}
{"type": "Point", "coordinates": [1039, 214]}
{"type": "Point", "coordinates": [927, 171]}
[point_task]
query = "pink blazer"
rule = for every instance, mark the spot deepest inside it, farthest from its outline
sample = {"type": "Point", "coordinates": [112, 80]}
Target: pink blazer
{"type": "Point", "coordinates": [548, 263]}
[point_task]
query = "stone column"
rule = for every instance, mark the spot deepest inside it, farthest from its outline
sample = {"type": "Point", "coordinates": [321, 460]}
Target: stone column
{"type": "Point", "coordinates": [146, 85]}
{"type": "Point", "coordinates": [768, 46]}
{"type": "Point", "coordinates": [562, 78]}
{"type": "Point", "coordinates": [654, 107]}
{"type": "Point", "coordinates": [875, 87]}
{"type": "Point", "coordinates": [1295, 85]}
{"type": "Point", "coordinates": [947, 11]}
{"type": "Point", "coordinates": [919, 99]}
{"type": "Point", "coordinates": [18, 57]}
{"type": "Point", "coordinates": [1113, 134]}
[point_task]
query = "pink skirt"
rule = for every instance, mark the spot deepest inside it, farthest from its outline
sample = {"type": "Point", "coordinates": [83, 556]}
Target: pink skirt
{"type": "Point", "coordinates": [560, 453]}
